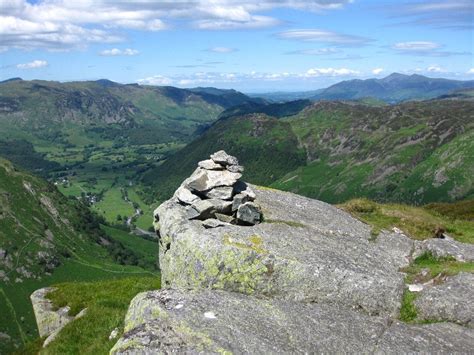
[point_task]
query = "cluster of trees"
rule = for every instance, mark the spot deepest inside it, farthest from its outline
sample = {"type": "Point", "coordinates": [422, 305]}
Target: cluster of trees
{"type": "Point", "coordinates": [90, 222]}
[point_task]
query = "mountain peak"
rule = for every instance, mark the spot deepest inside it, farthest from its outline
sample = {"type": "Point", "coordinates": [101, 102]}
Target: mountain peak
{"type": "Point", "coordinates": [106, 82]}
{"type": "Point", "coordinates": [395, 76]}
{"type": "Point", "coordinates": [11, 79]}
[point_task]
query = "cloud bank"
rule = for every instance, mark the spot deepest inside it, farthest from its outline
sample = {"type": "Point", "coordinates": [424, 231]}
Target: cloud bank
{"type": "Point", "coordinates": [65, 24]}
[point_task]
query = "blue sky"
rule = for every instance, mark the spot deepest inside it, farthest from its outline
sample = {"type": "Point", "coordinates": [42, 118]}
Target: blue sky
{"type": "Point", "coordinates": [253, 46]}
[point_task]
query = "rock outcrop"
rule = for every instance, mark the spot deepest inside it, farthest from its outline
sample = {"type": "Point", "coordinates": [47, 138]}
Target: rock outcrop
{"type": "Point", "coordinates": [309, 278]}
{"type": "Point", "coordinates": [49, 320]}
{"type": "Point", "coordinates": [450, 301]}
{"type": "Point", "coordinates": [446, 247]}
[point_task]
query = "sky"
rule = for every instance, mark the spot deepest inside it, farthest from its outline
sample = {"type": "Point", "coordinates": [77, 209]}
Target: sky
{"type": "Point", "coordinates": [252, 46]}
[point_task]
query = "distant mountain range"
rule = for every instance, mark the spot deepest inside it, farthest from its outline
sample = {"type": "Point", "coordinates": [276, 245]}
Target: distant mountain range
{"type": "Point", "coordinates": [391, 89]}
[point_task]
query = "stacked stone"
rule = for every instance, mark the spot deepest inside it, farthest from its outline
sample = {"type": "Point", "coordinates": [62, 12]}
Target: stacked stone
{"type": "Point", "coordinates": [215, 194]}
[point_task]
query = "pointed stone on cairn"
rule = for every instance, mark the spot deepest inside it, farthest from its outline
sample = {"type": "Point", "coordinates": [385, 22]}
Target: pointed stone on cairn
{"type": "Point", "coordinates": [215, 194]}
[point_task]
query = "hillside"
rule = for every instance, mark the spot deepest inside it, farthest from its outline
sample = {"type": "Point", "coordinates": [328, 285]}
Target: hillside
{"type": "Point", "coordinates": [414, 152]}
{"type": "Point", "coordinates": [266, 146]}
{"type": "Point", "coordinates": [54, 111]}
{"type": "Point", "coordinates": [47, 238]}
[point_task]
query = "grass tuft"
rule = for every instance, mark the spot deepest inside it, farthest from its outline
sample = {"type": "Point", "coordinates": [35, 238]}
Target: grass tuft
{"type": "Point", "coordinates": [427, 267]}
{"type": "Point", "coordinates": [408, 310]}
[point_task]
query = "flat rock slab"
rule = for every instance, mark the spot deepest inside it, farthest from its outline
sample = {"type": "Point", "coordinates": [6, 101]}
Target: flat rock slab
{"type": "Point", "coordinates": [446, 247]}
{"type": "Point", "coordinates": [48, 319]}
{"type": "Point", "coordinates": [451, 301]}
{"type": "Point", "coordinates": [304, 251]}
{"type": "Point", "coordinates": [436, 338]}
{"type": "Point", "coordinates": [172, 321]}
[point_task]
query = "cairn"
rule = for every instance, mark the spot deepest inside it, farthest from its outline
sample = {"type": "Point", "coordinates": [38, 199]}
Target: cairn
{"type": "Point", "coordinates": [215, 194]}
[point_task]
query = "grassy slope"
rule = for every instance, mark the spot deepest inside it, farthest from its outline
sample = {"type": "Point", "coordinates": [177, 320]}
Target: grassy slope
{"type": "Point", "coordinates": [106, 303]}
{"type": "Point", "coordinates": [264, 145]}
{"type": "Point", "coordinates": [414, 152]}
{"type": "Point", "coordinates": [417, 222]}
{"type": "Point", "coordinates": [36, 240]}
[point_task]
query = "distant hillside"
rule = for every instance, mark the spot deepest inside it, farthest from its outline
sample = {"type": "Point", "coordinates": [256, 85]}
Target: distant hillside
{"type": "Point", "coordinates": [278, 110]}
{"type": "Point", "coordinates": [415, 152]}
{"type": "Point", "coordinates": [47, 238]}
{"type": "Point", "coordinates": [266, 147]}
{"type": "Point", "coordinates": [48, 110]}
{"type": "Point", "coordinates": [283, 96]}
{"type": "Point", "coordinates": [393, 88]}
{"type": "Point", "coordinates": [460, 94]}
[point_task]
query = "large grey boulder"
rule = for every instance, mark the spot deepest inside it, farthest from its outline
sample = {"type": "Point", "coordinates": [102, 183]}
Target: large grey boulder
{"type": "Point", "coordinates": [437, 338]}
{"type": "Point", "coordinates": [451, 301]}
{"type": "Point", "coordinates": [317, 253]}
{"type": "Point", "coordinates": [308, 279]}
{"type": "Point", "coordinates": [172, 321]}
{"type": "Point", "coordinates": [446, 247]}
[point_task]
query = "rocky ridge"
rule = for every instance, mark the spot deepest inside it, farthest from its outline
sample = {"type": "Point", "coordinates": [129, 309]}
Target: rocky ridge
{"type": "Point", "coordinates": [309, 278]}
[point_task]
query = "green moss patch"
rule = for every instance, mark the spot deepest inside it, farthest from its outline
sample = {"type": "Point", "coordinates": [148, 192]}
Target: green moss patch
{"type": "Point", "coordinates": [427, 267]}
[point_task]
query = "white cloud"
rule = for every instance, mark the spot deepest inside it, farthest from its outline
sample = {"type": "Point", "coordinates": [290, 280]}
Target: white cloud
{"type": "Point", "coordinates": [377, 71]}
{"type": "Point", "coordinates": [65, 24]}
{"type": "Point", "coordinates": [435, 69]}
{"type": "Point", "coordinates": [222, 50]}
{"type": "Point", "coordinates": [470, 71]}
{"type": "Point", "coordinates": [416, 46]}
{"type": "Point", "coordinates": [216, 78]}
{"type": "Point", "coordinates": [452, 14]}
{"type": "Point", "coordinates": [315, 72]}
{"type": "Point", "coordinates": [324, 36]}
{"type": "Point", "coordinates": [156, 80]}
{"type": "Point", "coordinates": [424, 48]}
{"type": "Point", "coordinates": [119, 52]}
{"type": "Point", "coordinates": [33, 65]}
{"type": "Point", "coordinates": [318, 51]}
{"type": "Point", "coordinates": [244, 23]}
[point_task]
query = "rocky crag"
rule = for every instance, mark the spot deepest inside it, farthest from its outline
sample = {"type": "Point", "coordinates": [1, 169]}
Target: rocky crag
{"type": "Point", "coordinates": [308, 278]}
{"type": "Point", "coordinates": [50, 321]}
